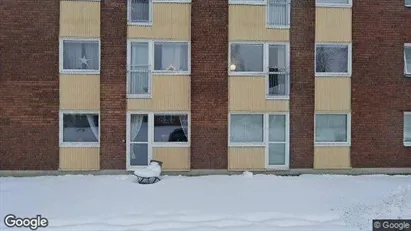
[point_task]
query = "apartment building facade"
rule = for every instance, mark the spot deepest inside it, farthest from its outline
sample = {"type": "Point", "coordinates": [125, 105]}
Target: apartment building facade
{"type": "Point", "coordinates": [219, 84]}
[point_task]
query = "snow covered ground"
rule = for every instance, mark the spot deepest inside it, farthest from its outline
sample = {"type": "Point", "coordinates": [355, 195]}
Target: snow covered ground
{"type": "Point", "coordinates": [243, 202]}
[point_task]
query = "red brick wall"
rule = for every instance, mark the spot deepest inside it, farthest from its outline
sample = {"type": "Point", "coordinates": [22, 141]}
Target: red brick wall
{"type": "Point", "coordinates": [113, 84]}
{"type": "Point", "coordinates": [29, 85]}
{"type": "Point", "coordinates": [380, 93]}
{"type": "Point", "coordinates": [209, 84]}
{"type": "Point", "coordinates": [302, 42]}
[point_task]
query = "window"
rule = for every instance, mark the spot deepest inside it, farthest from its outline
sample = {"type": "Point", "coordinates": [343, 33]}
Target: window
{"type": "Point", "coordinates": [171, 56]}
{"type": "Point", "coordinates": [278, 72]}
{"type": "Point", "coordinates": [246, 57]}
{"type": "Point", "coordinates": [151, 57]}
{"type": "Point", "coordinates": [277, 141]}
{"type": "Point", "coordinates": [408, 3]}
{"type": "Point", "coordinates": [140, 11]}
{"type": "Point", "coordinates": [278, 13]}
{"type": "Point", "coordinates": [148, 130]}
{"type": "Point", "coordinates": [332, 129]}
{"type": "Point", "coordinates": [407, 59]}
{"type": "Point", "coordinates": [80, 56]}
{"type": "Point", "coordinates": [246, 128]}
{"type": "Point", "coordinates": [267, 131]}
{"type": "Point", "coordinates": [407, 129]}
{"type": "Point", "coordinates": [270, 60]}
{"type": "Point", "coordinates": [341, 3]}
{"type": "Point", "coordinates": [79, 129]}
{"type": "Point", "coordinates": [333, 59]}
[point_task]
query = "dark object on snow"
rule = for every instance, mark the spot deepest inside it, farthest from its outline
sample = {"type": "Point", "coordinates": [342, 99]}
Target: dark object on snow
{"type": "Point", "coordinates": [149, 180]}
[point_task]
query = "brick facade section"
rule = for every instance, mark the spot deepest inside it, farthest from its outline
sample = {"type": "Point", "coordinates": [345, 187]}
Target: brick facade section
{"type": "Point", "coordinates": [209, 84]}
{"type": "Point", "coordinates": [302, 43]}
{"type": "Point", "coordinates": [380, 93]}
{"type": "Point", "coordinates": [113, 84]}
{"type": "Point", "coordinates": [29, 79]}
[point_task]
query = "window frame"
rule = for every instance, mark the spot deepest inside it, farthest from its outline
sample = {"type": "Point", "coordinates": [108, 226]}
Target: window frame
{"type": "Point", "coordinates": [151, 60]}
{"type": "Point", "coordinates": [265, 72]}
{"type": "Point", "coordinates": [334, 5]}
{"type": "Point", "coordinates": [78, 144]}
{"type": "Point", "coordinates": [247, 2]}
{"type": "Point", "coordinates": [406, 143]}
{"type": "Point", "coordinates": [150, 15]}
{"type": "Point", "coordinates": [266, 142]}
{"type": "Point", "coordinates": [334, 74]}
{"type": "Point", "coordinates": [407, 5]}
{"type": "Point", "coordinates": [78, 71]}
{"type": "Point", "coordinates": [269, 26]}
{"type": "Point", "coordinates": [407, 72]}
{"type": "Point", "coordinates": [333, 144]}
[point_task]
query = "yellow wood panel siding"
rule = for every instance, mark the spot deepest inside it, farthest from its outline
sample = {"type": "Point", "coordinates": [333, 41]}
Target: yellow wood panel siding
{"type": "Point", "coordinates": [332, 158]}
{"type": "Point", "coordinates": [248, 23]}
{"type": "Point", "coordinates": [248, 94]}
{"type": "Point", "coordinates": [333, 94]}
{"type": "Point", "coordinates": [170, 21]}
{"type": "Point", "coordinates": [169, 93]}
{"type": "Point", "coordinates": [79, 159]}
{"type": "Point", "coordinates": [246, 158]}
{"type": "Point", "coordinates": [333, 25]}
{"type": "Point", "coordinates": [80, 19]}
{"type": "Point", "coordinates": [80, 92]}
{"type": "Point", "coordinates": [173, 158]}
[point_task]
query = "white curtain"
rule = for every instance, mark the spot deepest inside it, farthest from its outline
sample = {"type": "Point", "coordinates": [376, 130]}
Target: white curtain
{"type": "Point", "coordinates": [140, 10]}
{"type": "Point", "coordinates": [278, 12]}
{"type": "Point", "coordinates": [184, 124]}
{"type": "Point", "coordinates": [74, 51]}
{"type": "Point", "coordinates": [139, 70]}
{"type": "Point", "coordinates": [136, 122]}
{"type": "Point", "coordinates": [94, 128]}
{"type": "Point", "coordinates": [171, 56]}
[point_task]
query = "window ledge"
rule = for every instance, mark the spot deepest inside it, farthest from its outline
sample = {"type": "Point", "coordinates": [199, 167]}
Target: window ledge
{"type": "Point", "coordinates": [332, 74]}
{"type": "Point", "coordinates": [332, 144]}
{"type": "Point", "coordinates": [407, 75]}
{"type": "Point", "coordinates": [146, 24]}
{"type": "Point", "coordinates": [407, 144]}
{"type": "Point", "coordinates": [277, 167]}
{"type": "Point", "coordinates": [278, 27]}
{"type": "Point", "coordinates": [79, 145]}
{"type": "Point", "coordinates": [269, 97]}
{"type": "Point", "coordinates": [170, 73]}
{"type": "Point", "coordinates": [334, 5]}
{"type": "Point", "coordinates": [246, 145]}
{"type": "Point", "coordinates": [245, 2]}
{"type": "Point", "coordinates": [79, 72]}
{"type": "Point", "coordinates": [171, 1]}
{"type": "Point", "coordinates": [247, 74]}
{"type": "Point", "coordinates": [135, 96]}
{"type": "Point", "coordinates": [170, 145]}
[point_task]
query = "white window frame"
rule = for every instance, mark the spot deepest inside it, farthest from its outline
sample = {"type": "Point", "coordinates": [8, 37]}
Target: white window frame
{"type": "Point", "coordinates": [332, 144]}
{"type": "Point", "coordinates": [172, 1]}
{"type": "Point", "coordinates": [266, 142]}
{"type": "Point", "coordinates": [150, 140]}
{"type": "Point", "coordinates": [151, 59]}
{"type": "Point", "coordinates": [78, 144]}
{"type": "Point", "coordinates": [247, 2]}
{"type": "Point", "coordinates": [407, 72]}
{"type": "Point", "coordinates": [265, 72]}
{"type": "Point", "coordinates": [334, 5]}
{"type": "Point", "coordinates": [78, 71]}
{"type": "Point", "coordinates": [336, 74]}
{"type": "Point", "coordinates": [406, 143]}
{"type": "Point", "coordinates": [278, 26]}
{"type": "Point", "coordinates": [406, 5]}
{"type": "Point", "coordinates": [150, 17]}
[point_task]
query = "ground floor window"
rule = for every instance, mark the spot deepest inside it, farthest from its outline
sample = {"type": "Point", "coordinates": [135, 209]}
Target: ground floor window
{"type": "Point", "coordinates": [79, 129]}
{"type": "Point", "coordinates": [407, 129]}
{"type": "Point", "coordinates": [332, 129]}
{"type": "Point", "coordinates": [270, 131]}
{"type": "Point", "coordinates": [148, 130]}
